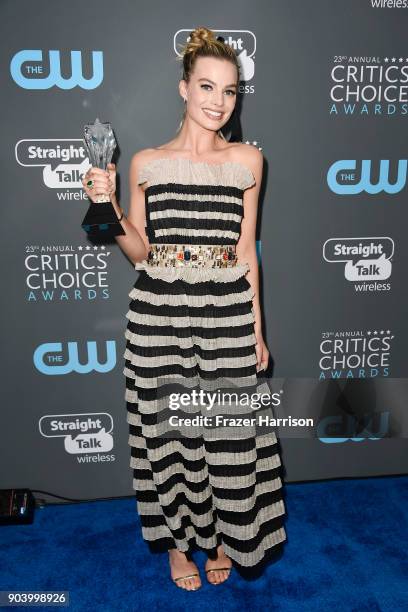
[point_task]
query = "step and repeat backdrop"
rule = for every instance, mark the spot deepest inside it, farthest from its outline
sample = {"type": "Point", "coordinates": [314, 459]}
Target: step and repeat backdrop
{"type": "Point", "coordinates": [325, 96]}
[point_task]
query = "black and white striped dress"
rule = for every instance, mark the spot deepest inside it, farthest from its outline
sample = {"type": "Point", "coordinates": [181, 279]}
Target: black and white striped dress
{"type": "Point", "coordinates": [189, 323]}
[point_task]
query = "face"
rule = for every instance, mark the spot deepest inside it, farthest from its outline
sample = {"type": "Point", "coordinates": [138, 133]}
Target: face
{"type": "Point", "coordinates": [211, 93]}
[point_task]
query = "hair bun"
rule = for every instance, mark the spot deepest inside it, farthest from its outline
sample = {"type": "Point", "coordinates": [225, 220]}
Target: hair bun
{"type": "Point", "coordinates": [201, 35]}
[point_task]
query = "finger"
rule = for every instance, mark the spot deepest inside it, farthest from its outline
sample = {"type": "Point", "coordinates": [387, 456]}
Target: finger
{"type": "Point", "coordinates": [258, 352]}
{"type": "Point", "coordinates": [99, 183]}
{"type": "Point", "coordinates": [100, 188]}
{"type": "Point", "coordinates": [95, 172]}
{"type": "Point", "coordinates": [96, 190]}
{"type": "Point", "coordinates": [87, 178]}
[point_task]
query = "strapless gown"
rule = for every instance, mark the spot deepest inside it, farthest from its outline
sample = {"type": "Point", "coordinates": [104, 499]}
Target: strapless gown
{"type": "Point", "coordinates": [199, 490]}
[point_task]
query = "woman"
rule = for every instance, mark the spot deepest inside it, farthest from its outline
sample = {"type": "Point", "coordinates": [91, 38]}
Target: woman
{"type": "Point", "coordinates": [195, 314]}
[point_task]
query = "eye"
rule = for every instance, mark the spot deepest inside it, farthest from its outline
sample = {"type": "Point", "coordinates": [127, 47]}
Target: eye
{"type": "Point", "coordinates": [231, 91]}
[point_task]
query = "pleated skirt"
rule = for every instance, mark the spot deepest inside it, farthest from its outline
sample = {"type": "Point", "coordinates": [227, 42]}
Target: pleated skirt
{"type": "Point", "coordinates": [198, 491]}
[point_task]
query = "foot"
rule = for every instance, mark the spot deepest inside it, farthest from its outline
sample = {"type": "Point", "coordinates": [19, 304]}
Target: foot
{"type": "Point", "coordinates": [218, 576]}
{"type": "Point", "coordinates": [180, 566]}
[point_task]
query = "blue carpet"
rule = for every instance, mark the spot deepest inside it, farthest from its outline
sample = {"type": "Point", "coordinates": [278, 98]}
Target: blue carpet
{"type": "Point", "coordinates": [346, 550]}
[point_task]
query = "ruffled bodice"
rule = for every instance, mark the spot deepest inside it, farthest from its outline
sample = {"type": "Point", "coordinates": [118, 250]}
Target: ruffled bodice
{"type": "Point", "coordinates": [194, 203]}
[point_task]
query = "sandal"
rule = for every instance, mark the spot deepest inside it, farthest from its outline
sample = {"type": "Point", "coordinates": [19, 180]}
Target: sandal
{"type": "Point", "coordinates": [219, 569]}
{"type": "Point", "coordinates": [186, 578]}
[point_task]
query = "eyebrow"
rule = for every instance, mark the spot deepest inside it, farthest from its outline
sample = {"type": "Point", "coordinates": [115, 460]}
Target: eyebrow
{"type": "Point", "coordinates": [210, 81]}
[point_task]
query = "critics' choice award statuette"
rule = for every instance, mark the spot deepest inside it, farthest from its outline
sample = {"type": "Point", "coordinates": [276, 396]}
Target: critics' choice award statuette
{"type": "Point", "coordinates": [101, 220]}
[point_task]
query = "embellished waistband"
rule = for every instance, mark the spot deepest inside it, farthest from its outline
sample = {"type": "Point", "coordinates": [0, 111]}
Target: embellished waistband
{"type": "Point", "coordinates": [194, 255]}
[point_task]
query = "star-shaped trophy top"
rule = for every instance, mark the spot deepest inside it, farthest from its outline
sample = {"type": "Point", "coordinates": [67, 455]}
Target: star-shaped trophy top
{"type": "Point", "coordinates": [100, 143]}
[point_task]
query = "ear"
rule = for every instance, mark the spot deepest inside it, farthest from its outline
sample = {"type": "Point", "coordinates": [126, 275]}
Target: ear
{"type": "Point", "coordinates": [183, 88]}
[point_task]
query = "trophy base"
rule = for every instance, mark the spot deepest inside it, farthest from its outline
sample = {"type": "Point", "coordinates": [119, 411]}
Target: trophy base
{"type": "Point", "coordinates": [101, 221]}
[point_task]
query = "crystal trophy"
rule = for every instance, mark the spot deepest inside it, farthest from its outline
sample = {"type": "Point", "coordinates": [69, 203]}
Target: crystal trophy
{"type": "Point", "coordinates": [100, 220]}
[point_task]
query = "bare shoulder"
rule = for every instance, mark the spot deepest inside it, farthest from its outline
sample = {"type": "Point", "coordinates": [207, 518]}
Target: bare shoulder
{"type": "Point", "coordinates": [142, 157]}
{"type": "Point", "coordinates": [249, 155]}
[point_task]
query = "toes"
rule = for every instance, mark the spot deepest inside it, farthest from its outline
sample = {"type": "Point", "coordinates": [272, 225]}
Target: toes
{"type": "Point", "coordinates": [212, 577]}
{"type": "Point", "coordinates": [222, 576]}
{"type": "Point", "coordinates": [197, 583]}
{"type": "Point", "coordinates": [189, 584]}
{"type": "Point", "coordinates": [216, 577]}
{"type": "Point", "coordinates": [225, 575]}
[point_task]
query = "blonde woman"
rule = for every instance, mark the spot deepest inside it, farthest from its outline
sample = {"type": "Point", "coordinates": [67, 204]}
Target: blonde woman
{"type": "Point", "coordinates": [195, 314]}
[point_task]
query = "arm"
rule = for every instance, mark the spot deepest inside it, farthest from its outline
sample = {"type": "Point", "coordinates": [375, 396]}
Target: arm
{"type": "Point", "coordinates": [246, 246]}
{"type": "Point", "coordinates": [135, 243]}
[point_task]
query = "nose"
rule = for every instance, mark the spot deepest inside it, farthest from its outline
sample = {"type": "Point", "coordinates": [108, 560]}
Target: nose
{"type": "Point", "coordinates": [218, 99]}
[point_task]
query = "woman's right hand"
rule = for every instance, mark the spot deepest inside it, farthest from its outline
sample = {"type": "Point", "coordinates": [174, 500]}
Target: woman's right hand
{"type": "Point", "coordinates": [102, 183]}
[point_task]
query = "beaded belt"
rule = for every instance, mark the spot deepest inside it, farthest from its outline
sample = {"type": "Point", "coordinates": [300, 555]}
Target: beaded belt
{"type": "Point", "coordinates": [194, 255]}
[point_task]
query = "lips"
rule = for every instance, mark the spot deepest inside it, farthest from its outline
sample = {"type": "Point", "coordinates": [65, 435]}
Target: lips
{"type": "Point", "coordinates": [215, 116]}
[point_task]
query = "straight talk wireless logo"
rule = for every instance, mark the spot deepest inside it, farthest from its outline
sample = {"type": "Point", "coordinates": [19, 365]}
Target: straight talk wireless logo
{"type": "Point", "coordinates": [389, 4]}
{"type": "Point", "coordinates": [87, 435]}
{"type": "Point", "coordinates": [366, 261]}
{"type": "Point", "coordinates": [62, 163]}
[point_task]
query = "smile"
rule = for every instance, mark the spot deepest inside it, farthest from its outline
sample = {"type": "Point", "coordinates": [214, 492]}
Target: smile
{"type": "Point", "coordinates": [212, 114]}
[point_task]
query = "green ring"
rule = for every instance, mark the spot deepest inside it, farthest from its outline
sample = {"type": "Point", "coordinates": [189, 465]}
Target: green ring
{"type": "Point", "coordinates": [90, 183]}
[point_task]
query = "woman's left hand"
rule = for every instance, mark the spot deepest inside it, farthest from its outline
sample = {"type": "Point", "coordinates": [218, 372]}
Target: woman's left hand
{"type": "Point", "coordinates": [262, 353]}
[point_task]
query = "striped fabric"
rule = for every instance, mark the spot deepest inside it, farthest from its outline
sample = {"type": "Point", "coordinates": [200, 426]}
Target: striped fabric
{"type": "Point", "coordinates": [187, 327]}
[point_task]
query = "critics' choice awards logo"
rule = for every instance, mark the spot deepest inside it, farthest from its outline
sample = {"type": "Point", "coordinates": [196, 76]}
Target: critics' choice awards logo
{"type": "Point", "coordinates": [363, 259]}
{"type": "Point", "coordinates": [63, 163]}
{"type": "Point", "coordinates": [355, 354]}
{"type": "Point", "coordinates": [368, 86]}
{"type": "Point", "coordinates": [242, 41]}
{"type": "Point", "coordinates": [83, 434]}
{"type": "Point", "coordinates": [352, 177]}
{"type": "Point", "coordinates": [57, 358]}
{"type": "Point", "coordinates": [37, 69]}
{"type": "Point", "coordinates": [65, 272]}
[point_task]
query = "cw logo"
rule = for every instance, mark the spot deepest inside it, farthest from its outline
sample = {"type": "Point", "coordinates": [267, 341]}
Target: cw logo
{"type": "Point", "coordinates": [349, 424]}
{"type": "Point", "coordinates": [37, 80]}
{"type": "Point", "coordinates": [346, 168]}
{"type": "Point", "coordinates": [49, 358]}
